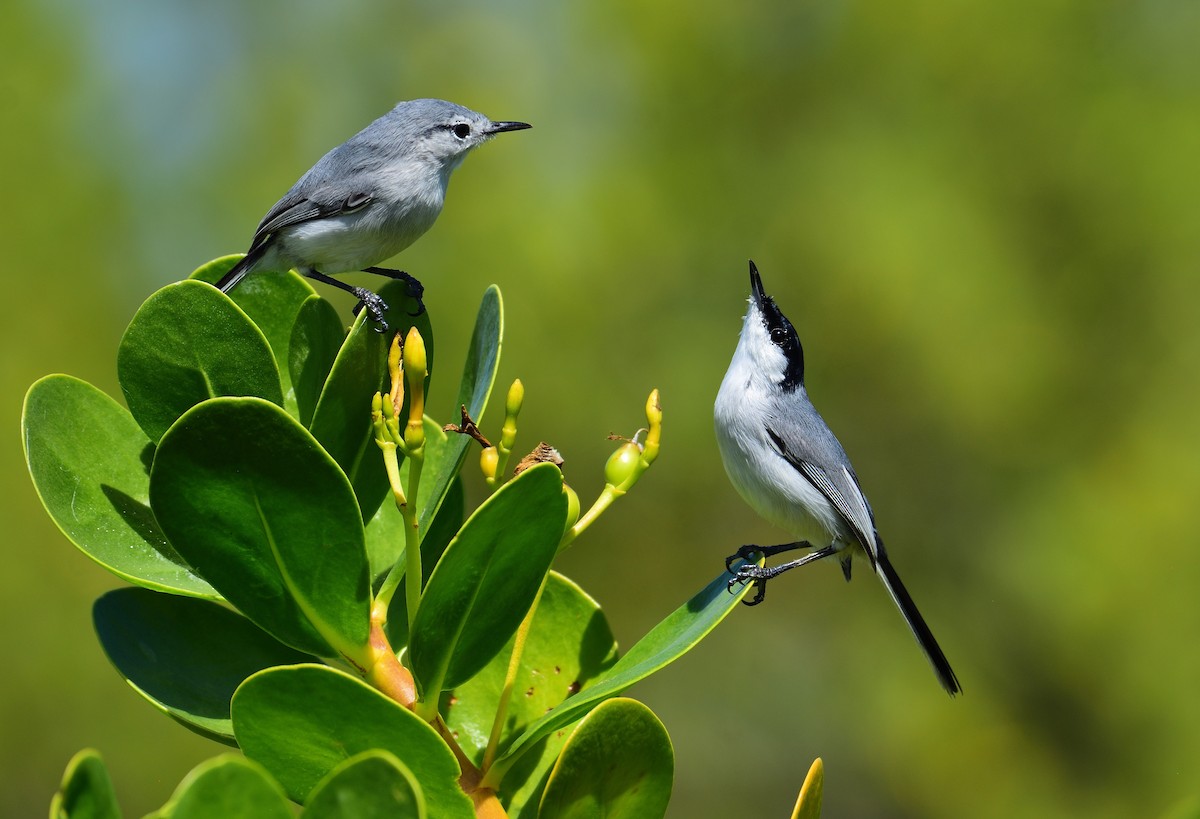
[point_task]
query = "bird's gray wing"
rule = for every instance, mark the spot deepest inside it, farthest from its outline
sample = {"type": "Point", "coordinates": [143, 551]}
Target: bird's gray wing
{"type": "Point", "coordinates": [297, 207]}
{"type": "Point", "coordinates": [836, 481]}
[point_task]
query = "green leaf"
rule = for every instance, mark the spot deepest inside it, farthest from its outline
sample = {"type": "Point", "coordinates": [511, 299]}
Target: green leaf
{"type": "Point", "coordinates": [617, 764]}
{"type": "Point", "coordinates": [487, 579]}
{"type": "Point", "coordinates": [272, 301]}
{"type": "Point", "coordinates": [479, 374]}
{"type": "Point", "coordinates": [227, 787]}
{"type": "Point", "coordinates": [302, 722]}
{"type": "Point", "coordinates": [186, 657]}
{"type": "Point", "coordinates": [90, 465]}
{"type": "Point", "coordinates": [316, 338]}
{"type": "Point", "coordinates": [569, 644]}
{"type": "Point", "coordinates": [256, 506]}
{"type": "Point", "coordinates": [371, 785]}
{"type": "Point", "coordinates": [342, 418]}
{"type": "Point", "coordinates": [808, 803]}
{"type": "Point", "coordinates": [86, 791]}
{"type": "Point", "coordinates": [189, 342]}
{"type": "Point", "coordinates": [665, 643]}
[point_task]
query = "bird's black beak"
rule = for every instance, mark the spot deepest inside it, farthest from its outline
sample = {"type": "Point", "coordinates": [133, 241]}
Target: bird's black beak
{"type": "Point", "coordinates": [501, 127]}
{"type": "Point", "coordinates": [756, 288]}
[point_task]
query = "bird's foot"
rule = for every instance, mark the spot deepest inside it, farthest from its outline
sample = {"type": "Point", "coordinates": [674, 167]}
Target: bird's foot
{"type": "Point", "coordinates": [375, 306]}
{"type": "Point", "coordinates": [750, 572]}
{"type": "Point", "coordinates": [746, 574]}
{"type": "Point", "coordinates": [416, 290]}
{"type": "Point", "coordinates": [747, 553]}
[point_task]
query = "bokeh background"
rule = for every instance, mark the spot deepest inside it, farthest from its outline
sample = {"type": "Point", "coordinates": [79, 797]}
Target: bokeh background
{"type": "Point", "coordinates": [983, 219]}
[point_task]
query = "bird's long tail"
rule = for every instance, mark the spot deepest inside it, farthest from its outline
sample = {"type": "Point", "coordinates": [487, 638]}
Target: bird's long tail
{"type": "Point", "coordinates": [900, 596]}
{"type": "Point", "coordinates": [239, 270]}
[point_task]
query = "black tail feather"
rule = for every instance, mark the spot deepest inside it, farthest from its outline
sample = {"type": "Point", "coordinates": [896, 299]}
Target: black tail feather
{"type": "Point", "coordinates": [941, 666]}
{"type": "Point", "coordinates": [239, 270]}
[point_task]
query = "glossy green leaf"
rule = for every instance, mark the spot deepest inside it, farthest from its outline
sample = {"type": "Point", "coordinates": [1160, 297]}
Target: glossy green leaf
{"type": "Point", "coordinates": [186, 657]}
{"type": "Point", "coordinates": [189, 342]}
{"type": "Point", "coordinates": [227, 787]}
{"type": "Point", "coordinates": [665, 643]}
{"type": "Point", "coordinates": [617, 764]}
{"type": "Point", "coordinates": [273, 301]}
{"type": "Point", "coordinates": [316, 338]}
{"type": "Point", "coordinates": [342, 418]}
{"type": "Point", "coordinates": [257, 507]}
{"type": "Point", "coordinates": [86, 791]}
{"type": "Point", "coordinates": [808, 803]}
{"type": "Point", "coordinates": [90, 465]}
{"type": "Point", "coordinates": [487, 579]}
{"type": "Point", "coordinates": [479, 374]}
{"type": "Point", "coordinates": [569, 645]}
{"type": "Point", "coordinates": [371, 785]}
{"type": "Point", "coordinates": [302, 722]}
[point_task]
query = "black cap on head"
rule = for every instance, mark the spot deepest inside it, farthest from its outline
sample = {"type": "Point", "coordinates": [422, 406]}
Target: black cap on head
{"type": "Point", "coordinates": [783, 334]}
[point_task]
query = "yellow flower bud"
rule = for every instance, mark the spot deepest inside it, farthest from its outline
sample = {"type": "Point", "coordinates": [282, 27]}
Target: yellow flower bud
{"type": "Point", "coordinates": [414, 356]}
{"type": "Point", "coordinates": [488, 459]}
{"type": "Point", "coordinates": [654, 417]}
{"type": "Point", "coordinates": [514, 400]}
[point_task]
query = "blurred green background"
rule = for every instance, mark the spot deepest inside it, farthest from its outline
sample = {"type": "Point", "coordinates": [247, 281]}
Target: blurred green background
{"type": "Point", "coordinates": [983, 219]}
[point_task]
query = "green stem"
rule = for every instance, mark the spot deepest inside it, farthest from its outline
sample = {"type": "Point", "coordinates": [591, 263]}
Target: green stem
{"type": "Point", "coordinates": [383, 599]}
{"type": "Point", "coordinates": [510, 679]}
{"type": "Point", "coordinates": [412, 540]}
{"type": "Point", "coordinates": [610, 494]}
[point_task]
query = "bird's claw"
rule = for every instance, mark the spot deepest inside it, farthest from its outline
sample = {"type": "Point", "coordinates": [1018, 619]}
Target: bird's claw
{"type": "Point", "coordinates": [741, 578]}
{"type": "Point", "coordinates": [748, 572]}
{"type": "Point", "coordinates": [415, 289]}
{"type": "Point", "coordinates": [375, 306]}
{"type": "Point", "coordinates": [744, 553]}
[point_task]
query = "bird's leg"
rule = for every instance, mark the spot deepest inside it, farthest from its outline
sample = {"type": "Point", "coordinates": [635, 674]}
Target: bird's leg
{"type": "Point", "coordinates": [746, 552]}
{"type": "Point", "coordinates": [759, 575]}
{"type": "Point", "coordinates": [415, 289]}
{"type": "Point", "coordinates": [374, 303]}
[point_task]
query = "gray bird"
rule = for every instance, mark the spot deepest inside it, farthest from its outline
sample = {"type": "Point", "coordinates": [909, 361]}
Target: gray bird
{"type": "Point", "coordinates": [369, 198]}
{"type": "Point", "coordinates": [786, 463]}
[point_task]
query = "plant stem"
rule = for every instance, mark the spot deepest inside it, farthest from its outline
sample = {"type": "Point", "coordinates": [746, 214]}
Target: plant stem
{"type": "Point", "coordinates": [412, 540]}
{"type": "Point", "coordinates": [510, 679]}
{"type": "Point", "coordinates": [610, 494]}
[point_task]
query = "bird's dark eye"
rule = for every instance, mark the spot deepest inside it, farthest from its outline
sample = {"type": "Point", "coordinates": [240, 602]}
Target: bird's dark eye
{"type": "Point", "coordinates": [461, 130]}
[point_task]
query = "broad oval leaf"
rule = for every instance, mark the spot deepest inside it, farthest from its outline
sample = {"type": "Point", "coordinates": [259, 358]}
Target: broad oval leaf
{"type": "Point", "coordinates": [86, 791]}
{"type": "Point", "coordinates": [189, 342]}
{"type": "Point", "coordinates": [371, 785]}
{"type": "Point", "coordinates": [186, 657]}
{"type": "Point", "coordinates": [341, 420]}
{"type": "Point", "coordinates": [273, 301]}
{"type": "Point", "coordinates": [617, 764]}
{"type": "Point", "coordinates": [316, 338]}
{"type": "Point", "coordinates": [302, 722]}
{"type": "Point", "coordinates": [569, 645]}
{"type": "Point", "coordinates": [227, 787]}
{"type": "Point", "coordinates": [479, 374]}
{"type": "Point", "coordinates": [666, 642]}
{"type": "Point", "coordinates": [487, 579]}
{"type": "Point", "coordinates": [90, 464]}
{"type": "Point", "coordinates": [257, 507]}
